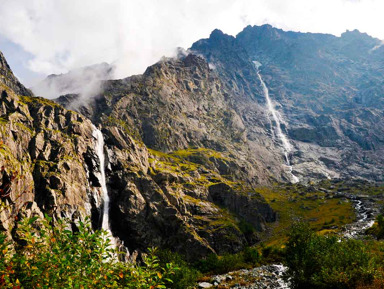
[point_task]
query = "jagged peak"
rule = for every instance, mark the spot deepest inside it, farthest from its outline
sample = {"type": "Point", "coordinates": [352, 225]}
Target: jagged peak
{"type": "Point", "coordinates": [355, 34]}
{"type": "Point", "coordinates": [217, 34]}
{"type": "Point", "coordinates": [190, 60]}
{"type": "Point", "coordinates": [9, 79]}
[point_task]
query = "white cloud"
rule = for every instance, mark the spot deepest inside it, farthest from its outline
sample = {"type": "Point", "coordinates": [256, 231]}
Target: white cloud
{"type": "Point", "coordinates": [65, 34]}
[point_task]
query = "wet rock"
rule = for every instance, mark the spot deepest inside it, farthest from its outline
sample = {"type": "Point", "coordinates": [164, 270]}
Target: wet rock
{"type": "Point", "coordinates": [203, 285]}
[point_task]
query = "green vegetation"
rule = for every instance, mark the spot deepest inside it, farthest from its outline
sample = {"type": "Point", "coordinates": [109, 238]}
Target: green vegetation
{"type": "Point", "coordinates": [214, 264]}
{"type": "Point", "coordinates": [35, 100]}
{"type": "Point", "coordinates": [129, 129]}
{"type": "Point", "coordinates": [3, 120]}
{"type": "Point", "coordinates": [378, 228]}
{"type": "Point", "coordinates": [186, 275]}
{"type": "Point", "coordinates": [196, 167]}
{"type": "Point", "coordinates": [48, 256]}
{"type": "Point", "coordinates": [316, 261]}
{"type": "Point", "coordinates": [199, 154]}
{"type": "Point", "coordinates": [292, 202]}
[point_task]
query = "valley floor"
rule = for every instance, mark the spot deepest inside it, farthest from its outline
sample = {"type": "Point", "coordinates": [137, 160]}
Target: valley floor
{"type": "Point", "coordinates": [328, 207]}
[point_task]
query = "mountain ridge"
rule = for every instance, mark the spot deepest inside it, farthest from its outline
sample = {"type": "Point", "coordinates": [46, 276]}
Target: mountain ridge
{"type": "Point", "coordinates": [181, 200]}
{"type": "Point", "coordinates": [190, 143]}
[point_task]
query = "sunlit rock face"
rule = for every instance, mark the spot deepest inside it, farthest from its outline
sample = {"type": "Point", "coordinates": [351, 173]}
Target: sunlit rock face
{"type": "Point", "coordinates": [47, 157]}
{"type": "Point", "coordinates": [162, 191]}
{"type": "Point", "coordinates": [328, 89]}
{"type": "Point", "coordinates": [187, 143]}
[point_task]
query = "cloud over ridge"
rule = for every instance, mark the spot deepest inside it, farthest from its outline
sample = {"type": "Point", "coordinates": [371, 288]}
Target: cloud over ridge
{"type": "Point", "coordinates": [65, 34]}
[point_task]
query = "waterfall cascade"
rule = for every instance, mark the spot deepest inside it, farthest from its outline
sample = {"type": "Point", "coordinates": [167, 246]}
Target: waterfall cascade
{"type": "Point", "coordinates": [99, 147]}
{"type": "Point", "coordinates": [276, 125]}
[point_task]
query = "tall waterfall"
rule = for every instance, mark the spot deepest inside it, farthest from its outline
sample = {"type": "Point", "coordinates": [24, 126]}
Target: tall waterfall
{"type": "Point", "coordinates": [276, 128]}
{"type": "Point", "coordinates": [99, 147]}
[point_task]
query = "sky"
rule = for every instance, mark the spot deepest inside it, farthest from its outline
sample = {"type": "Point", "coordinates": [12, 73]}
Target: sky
{"type": "Point", "coordinates": [41, 37]}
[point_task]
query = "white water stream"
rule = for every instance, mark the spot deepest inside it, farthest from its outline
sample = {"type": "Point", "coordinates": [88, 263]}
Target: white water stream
{"type": "Point", "coordinates": [99, 147]}
{"type": "Point", "coordinates": [364, 221]}
{"type": "Point", "coordinates": [277, 119]}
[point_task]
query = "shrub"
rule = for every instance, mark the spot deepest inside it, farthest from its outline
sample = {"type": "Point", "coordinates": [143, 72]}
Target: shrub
{"type": "Point", "coordinates": [185, 276]}
{"type": "Point", "coordinates": [229, 262]}
{"type": "Point", "coordinates": [380, 227]}
{"type": "Point", "coordinates": [208, 264]}
{"type": "Point", "coordinates": [271, 254]}
{"type": "Point", "coordinates": [48, 256]}
{"type": "Point", "coordinates": [325, 261]}
{"type": "Point", "coordinates": [251, 255]}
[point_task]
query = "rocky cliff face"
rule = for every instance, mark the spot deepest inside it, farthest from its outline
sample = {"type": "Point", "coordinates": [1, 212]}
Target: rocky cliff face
{"type": "Point", "coordinates": [184, 199]}
{"type": "Point", "coordinates": [188, 141]}
{"type": "Point", "coordinates": [43, 148]}
{"type": "Point", "coordinates": [328, 89]}
{"type": "Point", "coordinates": [211, 137]}
{"type": "Point", "coordinates": [8, 79]}
{"type": "Point", "coordinates": [180, 163]}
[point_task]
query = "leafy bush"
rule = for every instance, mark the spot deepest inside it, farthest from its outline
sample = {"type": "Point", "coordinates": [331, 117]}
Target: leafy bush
{"type": "Point", "coordinates": [271, 254]}
{"type": "Point", "coordinates": [186, 276]}
{"type": "Point", "coordinates": [208, 264]}
{"type": "Point", "coordinates": [50, 256]}
{"type": "Point", "coordinates": [249, 257]}
{"type": "Point", "coordinates": [245, 227]}
{"type": "Point", "coordinates": [380, 227]}
{"type": "Point", "coordinates": [326, 262]}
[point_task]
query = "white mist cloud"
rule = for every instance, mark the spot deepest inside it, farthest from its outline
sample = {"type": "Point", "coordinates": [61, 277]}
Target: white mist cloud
{"type": "Point", "coordinates": [65, 34]}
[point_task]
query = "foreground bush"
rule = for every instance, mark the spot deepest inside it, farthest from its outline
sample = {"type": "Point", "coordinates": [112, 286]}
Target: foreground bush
{"type": "Point", "coordinates": [54, 257]}
{"type": "Point", "coordinates": [326, 262]}
{"type": "Point", "coordinates": [214, 264]}
{"type": "Point", "coordinates": [186, 275]}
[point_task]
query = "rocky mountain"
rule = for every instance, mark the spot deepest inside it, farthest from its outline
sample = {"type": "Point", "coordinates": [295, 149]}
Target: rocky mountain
{"type": "Point", "coordinates": [186, 200]}
{"type": "Point", "coordinates": [8, 79]}
{"type": "Point", "coordinates": [188, 142]}
{"type": "Point", "coordinates": [328, 90]}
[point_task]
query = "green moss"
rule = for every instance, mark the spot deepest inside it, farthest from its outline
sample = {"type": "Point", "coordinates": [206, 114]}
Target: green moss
{"type": "Point", "coordinates": [112, 121]}
{"type": "Point", "coordinates": [62, 133]}
{"type": "Point", "coordinates": [9, 158]}
{"type": "Point", "coordinates": [209, 153]}
{"type": "Point", "coordinates": [46, 165]}
{"type": "Point", "coordinates": [189, 199]}
{"type": "Point", "coordinates": [3, 120]}
{"type": "Point", "coordinates": [167, 163]}
{"type": "Point", "coordinates": [38, 100]}
{"type": "Point", "coordinates": [24, 127]}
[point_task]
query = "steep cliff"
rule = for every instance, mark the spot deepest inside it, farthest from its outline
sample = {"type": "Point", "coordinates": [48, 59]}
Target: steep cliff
{"type": "Point", "coordinates": [188, 141]}
{"type": "Point", "coordinates": [328, 90]}
{"type": "Point", "coordinates": [186, 200]}
{"type": "Point", "coordinates": [8, 79]}
{"type": "Point", "coordinates": [197, 177]}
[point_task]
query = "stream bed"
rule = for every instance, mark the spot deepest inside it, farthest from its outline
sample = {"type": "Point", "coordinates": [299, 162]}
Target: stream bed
{"type": "Point", "coordinates": [270, 276]}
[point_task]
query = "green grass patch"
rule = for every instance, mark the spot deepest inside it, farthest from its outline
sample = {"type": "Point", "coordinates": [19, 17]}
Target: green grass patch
{"type": "Point", "coordinates": [295, 202]}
